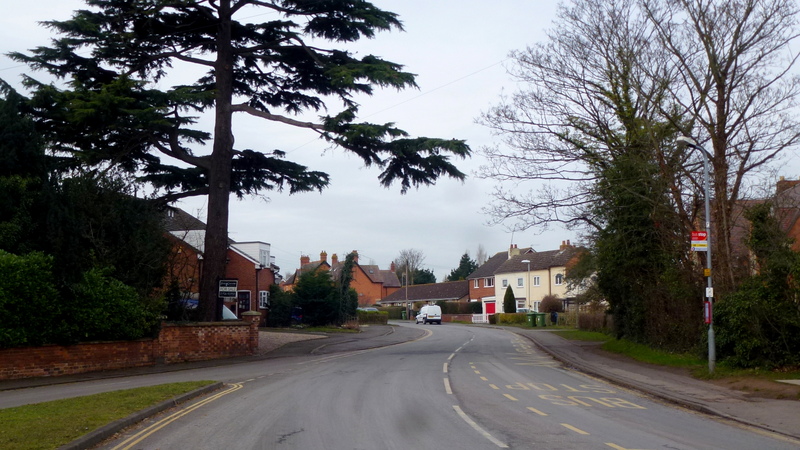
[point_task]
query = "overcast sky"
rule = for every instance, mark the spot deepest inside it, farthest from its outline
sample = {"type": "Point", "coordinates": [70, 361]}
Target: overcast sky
{"type": "Point", "coordinates": [459, 51]}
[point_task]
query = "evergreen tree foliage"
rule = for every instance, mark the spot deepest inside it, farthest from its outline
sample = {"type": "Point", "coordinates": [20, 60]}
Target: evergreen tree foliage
{"type": "Point", "coordinates": [118, 54]}
{"type": "Point", "coordinates": [424, 276]}
{"type": "Point", "coordinates": [98, 244]}
{"type": "Point", "coordinates": [465, 267]}
{"type": "Point", "coordinates": [509, 301]}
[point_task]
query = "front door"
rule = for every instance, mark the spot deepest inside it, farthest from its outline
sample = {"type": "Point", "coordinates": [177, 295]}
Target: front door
{"type": "Point", "coordinates": [489, 306]}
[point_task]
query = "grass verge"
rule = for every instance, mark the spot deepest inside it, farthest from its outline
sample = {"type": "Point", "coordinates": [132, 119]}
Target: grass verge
{"type": "Point", "coordinates": [50, 425]}
{"type": "Point", "coordinates": [762, 382]}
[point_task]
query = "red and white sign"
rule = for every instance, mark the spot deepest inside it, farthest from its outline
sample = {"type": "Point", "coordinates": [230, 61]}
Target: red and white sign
{"type": "Point", "coordinates": [707, 312]}
{"type": "Point", "coordinates": [699, 241]}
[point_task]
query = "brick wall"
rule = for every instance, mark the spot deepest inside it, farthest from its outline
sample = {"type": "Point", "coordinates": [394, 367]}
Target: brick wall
{"type": "Point", "coordinates": [176, 343]}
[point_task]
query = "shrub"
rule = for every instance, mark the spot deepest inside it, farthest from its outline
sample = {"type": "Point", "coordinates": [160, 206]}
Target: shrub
{"type": "Point", "coordinates": [512, 318]}
{"type": "Point", "coordinates": [29, 303]}
{"type": "Point", "coordinates": [378, 317]}
{"type": "Point", "coordinates": [104, 308]}
{"type": "Point", "coordinates": [394, 312]}
{"type": "Point", "coordinates": [509, 301]}
{"type": "Point", "coordinates": [595, 321]}
{"type": "Point", "coordinates": [551, 303]}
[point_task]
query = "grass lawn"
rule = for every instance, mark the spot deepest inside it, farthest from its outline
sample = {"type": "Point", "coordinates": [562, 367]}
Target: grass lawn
{"type": "Point", "coordinates": [50, 425]}
{"type": "Point", "coordinates": [753, 380]}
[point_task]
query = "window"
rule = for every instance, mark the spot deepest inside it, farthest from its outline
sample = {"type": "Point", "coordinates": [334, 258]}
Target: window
{"type": "Point", "coordinates": [559, 279]}
{"type": "Point", "coordinates": [488, 282]}
{"type": "Point", "coordinates": [263, 299]}
{"type": "Point", "coordinates": [505, 283]}
{"type": "Point", "coordinates": [520, 305]}
{"type": "Point", "coordinates": [520, 282]}
{"type": "Point", "coordinates": [536, 306]}
{"type": "Point", "coordinates": [537, 281]}
{"type": "Point", "coordinates": [475, 284]}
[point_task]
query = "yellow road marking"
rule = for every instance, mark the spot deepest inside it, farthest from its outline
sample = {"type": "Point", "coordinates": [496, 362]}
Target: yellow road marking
{"type": "Point", "coordinates": [577, 430]}
{"type": "Point", "coordinates": [484, 379]}
{"type": "Point", "coordinates": [140, 436]}
{"type": "Point", "coordinates": [444, 369]}
{"type": "Point", "coordinates": [617, 447]}
{"type": "Point", "coordinates": [536, 411]}
{"type": "Point", "coordinates": [447, 387]}
{"type": "Point", "coordinates": [494, 386]}
{"type": "Point", "coordinates": [510, 397]}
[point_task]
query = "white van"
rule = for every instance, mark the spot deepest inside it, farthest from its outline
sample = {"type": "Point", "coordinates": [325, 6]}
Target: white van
{"type": "Point", "coordinates": [430, 314]}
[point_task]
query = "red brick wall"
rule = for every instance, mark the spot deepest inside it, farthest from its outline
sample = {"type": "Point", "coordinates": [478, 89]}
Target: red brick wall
{"type": "Point", "coordinates": [176, 343]}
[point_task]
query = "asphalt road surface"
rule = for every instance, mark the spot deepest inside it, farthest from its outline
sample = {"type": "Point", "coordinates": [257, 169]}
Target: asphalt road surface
{"type": "Point", "coordinates": [458, 387]}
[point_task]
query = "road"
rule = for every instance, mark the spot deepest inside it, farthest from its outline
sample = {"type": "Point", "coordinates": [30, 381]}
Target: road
{"type": "Point", "coordinates": [456, 388]}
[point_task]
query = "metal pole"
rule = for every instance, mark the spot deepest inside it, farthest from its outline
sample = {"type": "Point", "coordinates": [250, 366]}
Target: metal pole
{"type": "Point", "coordinates": [712, 354]}
{"type": "Point", "coordinates": [709, 294]}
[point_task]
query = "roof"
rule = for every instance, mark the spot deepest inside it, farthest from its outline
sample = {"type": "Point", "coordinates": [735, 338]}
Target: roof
{"type": "Point", "coordinates": [539, 260]}
{"type": "Point", "coordinates": [176, 219]}
{"type": "Point", "coordinates": [305, 268]}
{"type": "Point", "coordinates": [452, 290]}
{"type": "Point", "coordinates": [377, 275]}
{"type": "Point", "coordinates": [488, 268]}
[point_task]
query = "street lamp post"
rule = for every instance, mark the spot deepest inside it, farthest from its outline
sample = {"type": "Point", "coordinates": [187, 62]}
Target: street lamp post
{"type": "Point", "coordinates": [712, 354]}
{"type": "Point", "coordinates": [528, 283]}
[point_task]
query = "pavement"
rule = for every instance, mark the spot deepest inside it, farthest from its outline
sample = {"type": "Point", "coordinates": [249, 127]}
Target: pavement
{"type": "Point", "coordinates": [777, 416]}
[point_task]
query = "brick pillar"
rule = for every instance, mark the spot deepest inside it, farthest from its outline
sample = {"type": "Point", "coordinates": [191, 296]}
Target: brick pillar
{"type": "Point", "coordinates": [253, 317]}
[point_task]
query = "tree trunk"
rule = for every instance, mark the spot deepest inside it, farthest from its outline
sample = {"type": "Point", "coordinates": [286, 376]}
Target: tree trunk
{"type": "Point", "coordinates": [219, 174]}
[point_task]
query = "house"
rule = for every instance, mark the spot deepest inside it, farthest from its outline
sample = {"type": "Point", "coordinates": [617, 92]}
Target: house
{"type": "Point", "coordinates": [481, 286]}
{"type": "Point", "coordinates": [787, 209]}
{"type": "Point", "coordinates": [249, 263]}
{"type": "Point", "coordinates": [370, 282]}
{"type": "Point", "coordinates": [451, 291]}
{"type": "Point", "coordinates": [533, 275]}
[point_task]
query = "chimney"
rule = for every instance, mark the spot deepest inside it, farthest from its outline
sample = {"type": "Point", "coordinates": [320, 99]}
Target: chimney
{"type": "Point", "coordinates": [392, 267]}
{"type": "Point", "coordinates": [565, 244]}
{"type": "Point", "coordinates": [323, 256]}
{"type": "Point", "coordinates": [304, 259]}
{"type": "Point", "coordinates": [334, 259]}
{"type": "Point", "coordinates": [355, 254]}
{"type": "Point", "coordinates": [513, 251]}
{"type": "Point", "coordinates": [783, 185]}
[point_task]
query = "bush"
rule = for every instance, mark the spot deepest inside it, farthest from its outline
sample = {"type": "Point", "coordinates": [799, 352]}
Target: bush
{"type": "Point", "coordinates": [512, 318]}
{"type": "Point", "coordinates": [394, 312]}
{"type": "Point", "coordinates": [280, 307]}
{"type": "Point", "coordinates": [375, 317]}
{"type": "Point", "coordinates": [104, 308]}
{"type": "Point", "coordinates": [509, 301]}
{"type": "Point", "coordinates": [758, 327]}
{"type": "Point", "coordinates": [29, 303]}
{"type": "Point", "coordinates": [595, 321]}
{"type": "Point", "coordinates": [551, 303]}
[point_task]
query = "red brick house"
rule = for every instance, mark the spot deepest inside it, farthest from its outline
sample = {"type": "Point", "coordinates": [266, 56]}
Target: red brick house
{"type": "Point", "coordinates": [450, 291]}
{"type": "Point", "coordinates": [482, 282]}
{"type": "Point", "coordinates": [370, 282]}
{"type": "Point", "coordinates": [250, 263]}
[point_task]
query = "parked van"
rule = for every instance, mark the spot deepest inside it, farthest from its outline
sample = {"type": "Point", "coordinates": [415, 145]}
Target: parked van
{"type": "Point", "coordinates": [430, 314]}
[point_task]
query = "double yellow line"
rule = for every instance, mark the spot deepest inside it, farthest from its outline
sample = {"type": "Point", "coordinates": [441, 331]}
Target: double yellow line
{"type": "Point", "coordinates": [143, 434]}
